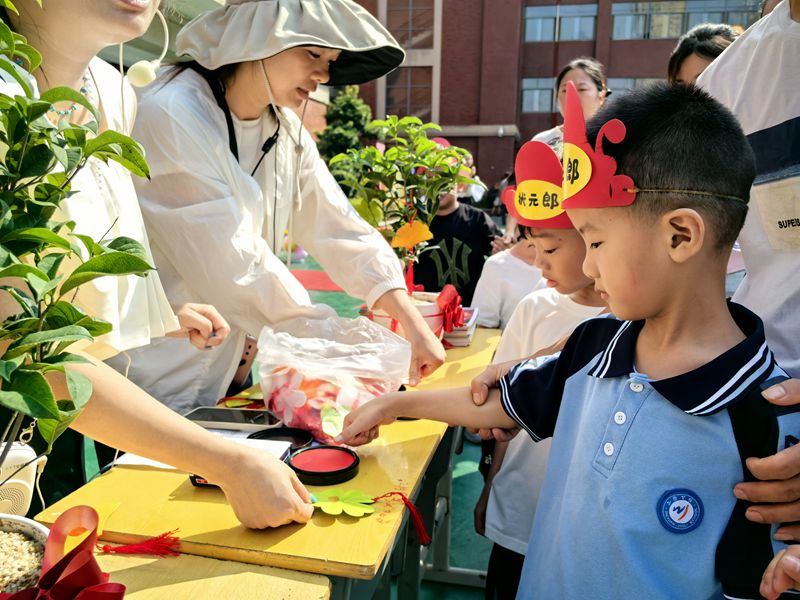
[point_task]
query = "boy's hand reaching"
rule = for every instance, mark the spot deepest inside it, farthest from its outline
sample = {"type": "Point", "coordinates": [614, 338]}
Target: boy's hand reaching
{"type": "Point", "coordinates": [362, 425]}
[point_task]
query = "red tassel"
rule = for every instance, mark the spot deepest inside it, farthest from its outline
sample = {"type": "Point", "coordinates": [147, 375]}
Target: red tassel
{"type": "Point", "coordinates": [416, 519]}
{"type": "Point", "coordinates": [163, 545]}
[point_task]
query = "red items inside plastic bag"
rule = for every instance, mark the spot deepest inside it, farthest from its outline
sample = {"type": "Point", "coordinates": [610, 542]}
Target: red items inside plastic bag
{"type": "Point", "coordinates": [317, 405]}
{"type": "Point", "coordinates": [314, 372]}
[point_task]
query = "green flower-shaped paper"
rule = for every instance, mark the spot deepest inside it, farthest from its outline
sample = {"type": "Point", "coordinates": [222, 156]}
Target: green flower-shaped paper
{"type": "Point", "coordinates": [351, 502]}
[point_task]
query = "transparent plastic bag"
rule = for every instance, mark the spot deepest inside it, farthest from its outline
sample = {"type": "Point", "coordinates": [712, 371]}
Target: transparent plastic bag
{"type": "Point", "coordinates": [314, 372]}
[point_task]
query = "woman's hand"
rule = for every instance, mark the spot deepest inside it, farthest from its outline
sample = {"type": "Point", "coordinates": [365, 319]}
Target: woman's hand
{"type": "Point", "coordinates": [427, 354]}
{"type": "Point", "coordinates": [202, 324]}
{"type": "Point", "coordinates": [263, 491]}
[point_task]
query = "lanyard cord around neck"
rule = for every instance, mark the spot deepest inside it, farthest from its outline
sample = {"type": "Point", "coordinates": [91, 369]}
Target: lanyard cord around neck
{"type": "Point", "coordinates": [219, 95]}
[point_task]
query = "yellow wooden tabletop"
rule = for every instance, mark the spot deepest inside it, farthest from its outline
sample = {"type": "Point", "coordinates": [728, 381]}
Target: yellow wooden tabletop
{"type": "Point", "coordinates": [153, 501]}
{"type": "Point", "coordinates": [187, 577]}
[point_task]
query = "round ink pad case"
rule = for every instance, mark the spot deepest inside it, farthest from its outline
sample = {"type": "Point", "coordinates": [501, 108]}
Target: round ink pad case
{"type": "Point", "coordinates": [324, 465]}
{"type": "Point", "coordinates": [299, 438]}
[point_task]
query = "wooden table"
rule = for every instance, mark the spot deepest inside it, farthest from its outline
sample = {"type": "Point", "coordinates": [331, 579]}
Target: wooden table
{"type": "Point", "coordinates": [188, 577]}
{"type": "Point", "coordinates": [352, 551]}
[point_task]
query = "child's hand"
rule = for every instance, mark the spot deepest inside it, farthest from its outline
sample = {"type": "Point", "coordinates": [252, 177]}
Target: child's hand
{"type": "Point", "coordinates": [361, 426]}
{"type": "Point", "coordinates": [782, 574]}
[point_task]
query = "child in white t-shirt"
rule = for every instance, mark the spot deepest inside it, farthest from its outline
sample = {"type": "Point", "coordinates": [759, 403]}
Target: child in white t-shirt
{"type": "Point", "coordinates": [508, 501]}
{"type": "Point", "coordinates": [507, 277]}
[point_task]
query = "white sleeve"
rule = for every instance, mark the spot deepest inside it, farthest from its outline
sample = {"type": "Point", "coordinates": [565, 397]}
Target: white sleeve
{"type": "Point", "coordinates": [199, 209]}
{"type": "Point", "coordinates": [352, 252]}
{"type": "Point", "coordinates": [486, 299]}
{"type": "Point", "coordinates": [516, 339]}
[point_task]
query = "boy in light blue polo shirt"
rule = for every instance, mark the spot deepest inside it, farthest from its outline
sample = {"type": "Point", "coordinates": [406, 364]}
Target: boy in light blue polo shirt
{"type": "Point", "coordinates": [652, 413]}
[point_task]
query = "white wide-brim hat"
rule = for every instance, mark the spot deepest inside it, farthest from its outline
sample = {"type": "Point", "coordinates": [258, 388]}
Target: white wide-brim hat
{"type": "Point", "coordinates": [245, 30]}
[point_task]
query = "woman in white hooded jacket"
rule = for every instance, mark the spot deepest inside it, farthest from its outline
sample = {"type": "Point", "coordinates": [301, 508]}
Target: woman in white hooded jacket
{"type": "Point", "coordinates": [233, 168]}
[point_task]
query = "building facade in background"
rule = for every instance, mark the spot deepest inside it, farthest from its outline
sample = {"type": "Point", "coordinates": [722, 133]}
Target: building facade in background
{"type": "Point", "coordinates": [485, 69]}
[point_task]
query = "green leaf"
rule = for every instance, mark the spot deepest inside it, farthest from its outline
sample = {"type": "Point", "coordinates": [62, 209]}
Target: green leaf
{"type": "Point", "coordinates": [51, 263]}
{"type": "Point", "coordinates": [41, 287]}
{"type": "Point", "coordinates": [11, 69]}
{"type": "Point", "coordinates": [29, 393]}
{"type": "Point", "coordinates": [23, 270]}
{"type": "Point", "coordinates": [111, 263]}
{"type": "Point", "coordinates": [80, 389]}
{"type": "Point", "coordinates": [128, 246]}
{"type": "Point", "coordinates": [120, 148]}
{"type": "Point", "coordinates": [92, 247]}
{"type": "Point", "coordinates": [67, 94]}
{"type": "Point", "coordinates": [29, 54]}
{"type": "Point", "coordinates": [62, 314]}
{"type": "Point", "coordinates": [9, 366]}
{"type": "Point", "coordinates": [6, 36]}
{"type": "Point", "coordinates": [29, 307]}
{"type": "Point", "coordinates": [67, 358]}
{"type": "Point", "coordinates": [41, 235]}
{"type": "Point", "coordinates": [370, 210]}
{"type": "Point", "coordinates": [71, 333]}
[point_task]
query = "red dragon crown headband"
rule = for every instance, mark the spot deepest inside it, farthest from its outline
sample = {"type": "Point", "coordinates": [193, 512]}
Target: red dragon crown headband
{"type": "Point", "coordinates": [536, 200]}
{"type": "Point", "coordinates": [590, 180]}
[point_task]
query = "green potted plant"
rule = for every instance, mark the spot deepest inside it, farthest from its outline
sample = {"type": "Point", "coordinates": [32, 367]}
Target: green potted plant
{"type": "Point", "coordinates": [38, 161]}
{"type": "Point", "coordinates": [395, 186]}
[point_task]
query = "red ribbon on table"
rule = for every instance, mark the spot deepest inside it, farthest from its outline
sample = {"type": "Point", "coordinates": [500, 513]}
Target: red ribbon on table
{"type": "Point", "coordinates": [450, 303]}
{"type": "Point", "coordinates": [76, 574]}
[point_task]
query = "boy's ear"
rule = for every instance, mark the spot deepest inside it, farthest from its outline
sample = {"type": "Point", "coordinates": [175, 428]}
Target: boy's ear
{"type": "Point", "coordinates": [684, 232]}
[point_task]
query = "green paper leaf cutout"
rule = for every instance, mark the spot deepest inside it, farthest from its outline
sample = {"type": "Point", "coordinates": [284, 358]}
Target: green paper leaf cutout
{"type": "Point", "coordinates": [351, 502]}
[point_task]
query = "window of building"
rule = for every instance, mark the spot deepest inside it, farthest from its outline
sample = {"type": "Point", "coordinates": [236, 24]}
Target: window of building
{"type": "Point", "coordinates": [576, 22]}
{"type": "Point", "coordinates": [560, 23]}
{"type": "Point", "coordinates": [667, 20]}
{"type": "Point", "coordinates": [540, 23]}
{"type": "Point", "coordinates": [409, 92]}
{"type": "Point", "coordinates": [620, 85]}
{"type": "Point", "coordinates": [411, 22]}
{"type": "Point", "coordinates": [537, 95]}
{"type": "Point", "coordinates": [665, 26]}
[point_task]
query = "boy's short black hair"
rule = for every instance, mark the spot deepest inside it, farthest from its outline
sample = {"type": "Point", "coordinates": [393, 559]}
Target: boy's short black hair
{"type": "Point", "coordinates": [680, 138]}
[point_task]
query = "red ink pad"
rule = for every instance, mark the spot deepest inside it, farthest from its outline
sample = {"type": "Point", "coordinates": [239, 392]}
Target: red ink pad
{"type": "Point", "coordinates": [324, 465]}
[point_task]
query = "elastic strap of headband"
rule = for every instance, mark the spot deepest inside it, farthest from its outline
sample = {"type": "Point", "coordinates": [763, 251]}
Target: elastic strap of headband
{"type": "Point", "coordinates": [636, 190]}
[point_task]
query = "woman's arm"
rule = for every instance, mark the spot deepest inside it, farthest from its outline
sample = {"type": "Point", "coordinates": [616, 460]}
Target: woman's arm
{"type": "Point", "coordinates": [427, 353]}
{"type": "Point", "coordinates": [262, 491]}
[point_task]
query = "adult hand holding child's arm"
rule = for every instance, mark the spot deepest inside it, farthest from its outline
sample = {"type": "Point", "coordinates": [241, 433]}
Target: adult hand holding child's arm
{"type": "Point", "coordinates": [489, 379]}
{"type": "Point", "coordinates": [779, 475]}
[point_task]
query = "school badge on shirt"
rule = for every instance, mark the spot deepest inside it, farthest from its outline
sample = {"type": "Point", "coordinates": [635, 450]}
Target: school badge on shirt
{"type": "Point", "coordinates": [680, 510]}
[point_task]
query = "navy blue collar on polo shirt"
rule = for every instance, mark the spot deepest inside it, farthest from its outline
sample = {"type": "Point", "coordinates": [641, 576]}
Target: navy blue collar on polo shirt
{"type": "Point", "coordinates": [707, 389]}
